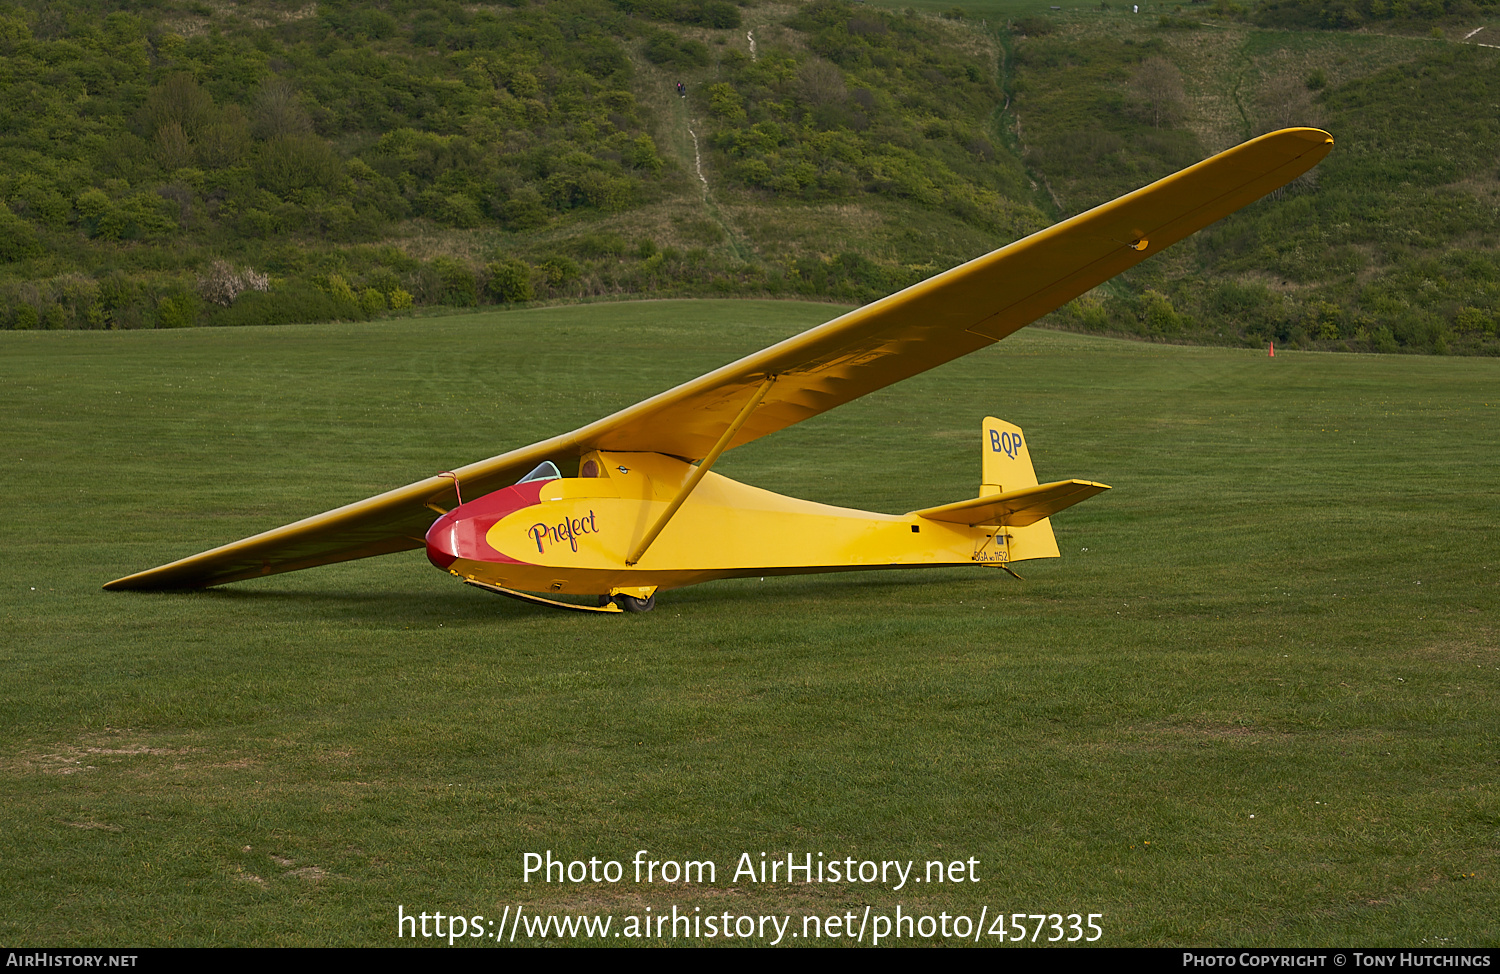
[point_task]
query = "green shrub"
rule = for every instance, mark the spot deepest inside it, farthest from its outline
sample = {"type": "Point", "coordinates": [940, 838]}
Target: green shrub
{"type": "Point", "coordinates": [510, 281]}
{"type": "Point", "coordinates": [704, 13]}
{"type": "Point", "coordinates": [1470, 320]}
{"type": "Point", "coordinates": [641, 153]}
{"type": "Point", "coordinates": [177, 310]}
{"type": "Point", "coordinates": [1324, 320]}
{"type": "Point", "coordinates": [17, 240]}
{"type": "Point", "coordinates": [559, 271]}
{"type": "Point", "coordinates": [665, 49]}
{"type": "Point", "coordinates": [288, 164]}
{"type": "Point", "coordinates": [1160, 317]}
{"type": "Point", "coordinates": [604, 192]}
{"type": "Point", "coordinates": [289, 304]}
{"type": "Point", "coordinates": [1090, 313]}
{"type": "Point", "coordinates": [726, 103]}
{"type": "Point", "coordinates": [716, 13]}
{"type": "Point", "coordinates": [599, 245]}
{"type": "Point", "coordinates": [456, 283]}
{"type": "Point", "coordinates": [457, 210]}
{"type": "Point", "coordinates": [337, 288]}
{"type": "Point", "coordinates": [523, 210]}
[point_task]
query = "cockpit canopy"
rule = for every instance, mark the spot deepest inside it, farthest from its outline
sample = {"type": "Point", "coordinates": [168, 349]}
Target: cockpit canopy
{"type": "Point", "coordinates": [546, 470]}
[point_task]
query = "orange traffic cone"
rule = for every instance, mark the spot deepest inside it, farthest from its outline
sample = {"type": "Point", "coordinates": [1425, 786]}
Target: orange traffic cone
{"type": "Point", "coordinates": [1273, 351]}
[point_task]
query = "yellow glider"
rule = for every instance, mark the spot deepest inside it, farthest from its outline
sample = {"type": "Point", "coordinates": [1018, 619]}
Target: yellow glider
{"type": "Point", "coordinates": [640, 516]}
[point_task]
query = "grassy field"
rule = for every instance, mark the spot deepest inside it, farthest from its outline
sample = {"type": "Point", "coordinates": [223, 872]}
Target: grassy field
{"type": "Point", "coordinates": [1253, 703]}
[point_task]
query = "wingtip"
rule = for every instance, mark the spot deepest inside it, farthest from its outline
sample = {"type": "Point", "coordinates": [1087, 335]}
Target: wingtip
{"type": "Point", "coordinates": [126, 584]}
{"type": "Point", "coordinates": [149, 580]}
{"type": "Point", "coordinates": [1316, 136]}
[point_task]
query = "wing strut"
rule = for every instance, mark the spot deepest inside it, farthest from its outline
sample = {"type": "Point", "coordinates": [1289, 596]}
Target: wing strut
{"type": "Point", "coordinates": [701, 470]}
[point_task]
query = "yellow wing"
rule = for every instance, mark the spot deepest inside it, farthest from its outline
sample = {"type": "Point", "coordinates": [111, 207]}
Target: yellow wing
{"type": "Point", "coordinates": [911, 331]}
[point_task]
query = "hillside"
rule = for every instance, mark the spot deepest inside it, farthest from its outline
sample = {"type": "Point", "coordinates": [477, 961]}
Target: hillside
{"type": "Point", "coordinates": [1390, 244]}
{"type": "Point", "coordinates": [173, 163]}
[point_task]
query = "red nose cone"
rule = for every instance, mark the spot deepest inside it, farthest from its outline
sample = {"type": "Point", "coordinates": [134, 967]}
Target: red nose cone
{"type": "Point", "coordinates": [442, 543]}
{"type": "Point", "coordinates": [461, 532]}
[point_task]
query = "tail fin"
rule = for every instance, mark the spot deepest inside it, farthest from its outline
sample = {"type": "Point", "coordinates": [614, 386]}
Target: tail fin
{"type": "Point", "coordinates": [1007, 461]}
{"type": "Point", "coordinates": [1007, 466]}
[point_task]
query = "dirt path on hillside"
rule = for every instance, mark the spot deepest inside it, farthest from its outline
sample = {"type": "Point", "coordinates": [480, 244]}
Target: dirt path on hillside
{"type": "Point", "coordinates": [691, 125]}
{"type": "Point", "coordinates": [683, 137]}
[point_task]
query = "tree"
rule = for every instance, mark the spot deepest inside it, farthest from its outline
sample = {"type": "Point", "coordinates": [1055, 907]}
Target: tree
{"type": "Point", "coordinates": [1158, 83]}
{"type": "Point", "coordinates": [178, 100]}
{"type": "Point", "coordinates": [221, 283]}
{"type": "Point", "coordinates": [279, 111]}
{"type": "Point", "coordinates": [289, 163]}
{"type": "Point", "coordinates": [1284, 101]}
{"type": "Point", "coordinates": [821, 83]}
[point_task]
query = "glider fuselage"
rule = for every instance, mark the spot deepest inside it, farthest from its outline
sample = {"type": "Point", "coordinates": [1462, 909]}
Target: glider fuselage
{"type": "Point", "coordinates": [573, 535]}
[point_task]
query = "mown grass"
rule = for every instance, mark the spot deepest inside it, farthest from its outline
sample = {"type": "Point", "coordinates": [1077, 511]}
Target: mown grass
{"type": "Point", "coordinates": [1284, 609]}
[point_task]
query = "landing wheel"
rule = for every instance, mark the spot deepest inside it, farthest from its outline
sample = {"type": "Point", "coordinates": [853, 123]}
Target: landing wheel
{"type": "Point", "coordinates": [632, 604]}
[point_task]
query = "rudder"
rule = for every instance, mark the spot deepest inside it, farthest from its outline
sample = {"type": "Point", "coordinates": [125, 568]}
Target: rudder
{"type": "Point", "coordinates": [1006, 465]}
{"type": "Point", "coordinates": [1007, 460]}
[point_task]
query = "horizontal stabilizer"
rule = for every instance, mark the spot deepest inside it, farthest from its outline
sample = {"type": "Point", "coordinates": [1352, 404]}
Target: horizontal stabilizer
{"type": "Point", "coordinates": [1016, 508]}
